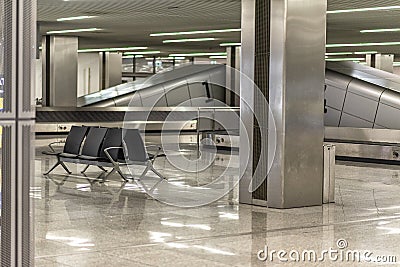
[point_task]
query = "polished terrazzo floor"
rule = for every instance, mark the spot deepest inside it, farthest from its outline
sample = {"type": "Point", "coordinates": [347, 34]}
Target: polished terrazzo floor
{"type": "Point", "coordinates": [80, 222]}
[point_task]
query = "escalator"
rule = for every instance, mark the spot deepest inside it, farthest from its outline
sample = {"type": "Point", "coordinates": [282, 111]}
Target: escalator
{"type": "Point", "coordinates": [169, 89]}
{"type": "Point", "coordinates": [362, 112]}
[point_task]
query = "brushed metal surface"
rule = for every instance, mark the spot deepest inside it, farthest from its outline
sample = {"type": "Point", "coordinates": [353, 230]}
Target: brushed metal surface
{"type": "Point", "coordinates": [388, 116]}
{"type": "Point", "coordinates": [363, 135]}
{"type": "Point", "coordinates": [113, 69]}
{"type": "Point", "coordinates": [62, 76]}
{"type": "Point", "coordinates": [367, 151]}
{"type": "Point", "coordinates": [367, 74]}
{"type": "Point", "coordinates": [247, 98]}
{"type": "Point", "coordinates": [365, 105]}
{"type": "Point", "coordinates": [335, 96]}
{"type": "Point", "coordinates": [149, 126]}
{"type": "Point", "coordinates": [332, 117]}
{"type": "Point", "coordinates": [296, 98]}
{"type": "Point", "coordinates": [348, 120]}
{"type": "Point", "coordinates": [391, 98]}
{"type": "Point", "coordinates": [329, 173]}
{"type": "Point", "coordinates": [360, 106]}
{"type": "Point", "coordinates": [371, 91]}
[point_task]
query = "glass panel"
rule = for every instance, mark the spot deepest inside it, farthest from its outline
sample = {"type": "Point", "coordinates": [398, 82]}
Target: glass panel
{"type": "Point", "coordinates": [144, 65]}
{"type": "Point", "coordinates": [127, 65]}
{"type": "Point", "coordinates": [164, 65]}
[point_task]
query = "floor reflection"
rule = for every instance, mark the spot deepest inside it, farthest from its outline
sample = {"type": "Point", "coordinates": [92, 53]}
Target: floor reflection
{"type": "Point", "coordinates": [83, 221]}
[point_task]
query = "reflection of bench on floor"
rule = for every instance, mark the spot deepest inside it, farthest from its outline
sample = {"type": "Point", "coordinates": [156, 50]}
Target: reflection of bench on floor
{"type": "Point", "coordinates": [105, 147]}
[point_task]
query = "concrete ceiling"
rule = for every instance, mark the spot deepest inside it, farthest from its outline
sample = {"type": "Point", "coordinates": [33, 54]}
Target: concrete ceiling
{"type": "Point", "coordinates": [130, 22]}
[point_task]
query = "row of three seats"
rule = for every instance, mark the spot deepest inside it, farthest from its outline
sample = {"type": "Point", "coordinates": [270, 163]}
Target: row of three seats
{"type": "Point", "coordinates": [105, 147]}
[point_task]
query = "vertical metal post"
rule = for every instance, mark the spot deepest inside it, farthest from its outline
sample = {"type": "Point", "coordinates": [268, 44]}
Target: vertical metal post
{"type": "Point", "coordinates": [17, 120]}
{"type": "Point", "coordinates": [154, 65]}
{"type": "Point", "coordinates": [247, 96]}
{"type": "Point", "coordinates": [290, 36]}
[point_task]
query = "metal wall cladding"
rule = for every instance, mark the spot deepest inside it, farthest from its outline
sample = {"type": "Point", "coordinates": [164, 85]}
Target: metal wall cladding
{"type": "Point", "coordinates": [332, 117]}
{"type": "Point", "coordinates": [388, 116]}
{"type": "Point", "coordinates": [153, 96]}
{"type": "Point", "coordinates": [364, 105]}
{"type": "Point", "coordinates": [352, 121]}
{"type": "Point", "coordinates": [177, 94]}
{"type": "Point", "coordinates": [336, 96]}
{"type": "Point", "coordinates": [371, 91]}
{"type": "Point", "coordinates": [125, 101]}
{"type": "Point", "coordinates": [361, 107]}
{"type": "Point", "coordinates": [337, 80]}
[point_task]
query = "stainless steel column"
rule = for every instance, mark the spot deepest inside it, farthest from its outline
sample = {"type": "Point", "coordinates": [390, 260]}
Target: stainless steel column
{"type": "Point", "coordinates": [60, 71]}
{"type": "Point", "coordinates": [17, 55]}
{"type": "Point", "coordinates": [232, 79]}
{"type": "Point", "coordinates": [247, 96]}
{"type": "Point", "coordinates": [113, 69]}
{"type": "Point", "coordinates": [296, 86]}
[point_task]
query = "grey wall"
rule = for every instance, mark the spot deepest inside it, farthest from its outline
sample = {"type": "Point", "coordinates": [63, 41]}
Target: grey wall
{"type": "Point", "coordinates": [60, 71]}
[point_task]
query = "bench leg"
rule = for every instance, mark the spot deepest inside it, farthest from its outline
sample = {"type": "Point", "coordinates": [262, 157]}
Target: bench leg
{"type": "Point", "coordinates": [118, 170]}
{"type": "Point", "coordinates": [157, 173]}
{"type": "Point", "coordinates": [65, 167]}
{"type": "Point", "coordinates": [145, 172]}
{"type": "Point", "coordinates": [85, 169]}
{"type": "Point", "coordinates": [52, 168]}
{"type": "Point", "coordinates": [101, 168]}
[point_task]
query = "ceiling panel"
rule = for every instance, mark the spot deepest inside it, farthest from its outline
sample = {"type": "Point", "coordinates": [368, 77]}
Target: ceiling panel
{"type": "Point", "coordinates": [129, 22]}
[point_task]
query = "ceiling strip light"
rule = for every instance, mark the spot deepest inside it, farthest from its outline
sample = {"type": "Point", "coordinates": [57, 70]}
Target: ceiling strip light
{"type": "Point", "coordinates": [218, 57]}
{"type": "Point", "coordinates": [114, 49]}
{"type": "Point", "coordinates": [76, 18]}
{"type": "Point", "coordinates": [350, 53]}
{"type": "Point", "coordinates": [345, 59]}
{"type": "Point", "coordinates": [339, 54]}
{"type": "Point", "coordinates": [381, 30]}
{"type": "Point", "coordinates": [366, 52]}
{"type": "Point", "coordinates": [396, 64]}
{"type": "Point", "coordinates": [133, 56]}
{"type": "Point", "coordinates": [363, 9]}
{"type": "Point", "coordinates": [194, 32]}
{"type": "Point", "coordinates": [189, 40]}
{"type": "Point", "coordinates": [142, 53]}
{"type": "Point", "coordinates": [75, 30]}
{"type": "Point", "coordinates": [230, 44]}
{"type": "Point", "coordinates": [198, 54]}
{"type": "Point", "coordinates": [363, 44]}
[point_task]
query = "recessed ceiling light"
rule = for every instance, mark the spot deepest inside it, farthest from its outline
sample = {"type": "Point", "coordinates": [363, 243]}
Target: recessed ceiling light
{"type": "Point", "coordinates": [194, 32]}
{"type": "Point", "coordinates": [363, 9]}
{"type": "Point", "coordinates": [199, 54]}
{"type": "Point", "coordinates": [76, 18]}
{"type": "Point", "coordinates": [112, 49]}
{"type": "Point", "coordinates": [363, 44]}
{"type": "Point", "coordinates": [75, 30]}
{"type": "Point", "coordinates": [188, 40]}
{"type": "Point", "coordinates": [381, 30]}
{"type": "Point", "coordinates": [230, 44]}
